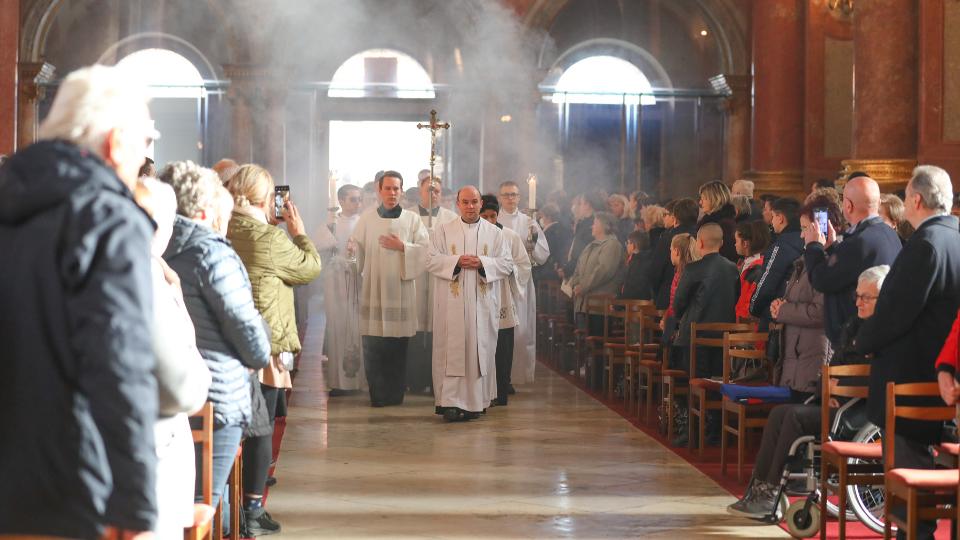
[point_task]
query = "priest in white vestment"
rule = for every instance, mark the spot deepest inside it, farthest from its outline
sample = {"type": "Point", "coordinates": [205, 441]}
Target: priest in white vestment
{"type": "Point", "coordinates": [419, 362]}
{"type": "Point", "coordinates": [390, 245]}
{"type": "Point", "coordinates": [341, 280]}
{"type": "Point", "coordinates": [468, 260]}
{"type": "Point", "coordinates": [525, 337]}
{"type": "Point", "coordinates": [510, 297]}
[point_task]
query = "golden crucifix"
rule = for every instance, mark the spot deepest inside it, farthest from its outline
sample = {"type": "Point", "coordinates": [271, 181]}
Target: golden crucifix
{"type": "Point", "coordinates": [434, 126]}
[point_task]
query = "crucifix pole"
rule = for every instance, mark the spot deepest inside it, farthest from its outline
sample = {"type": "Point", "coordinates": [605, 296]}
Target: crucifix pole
{"type": "Point", "coordinates": [434, 126]}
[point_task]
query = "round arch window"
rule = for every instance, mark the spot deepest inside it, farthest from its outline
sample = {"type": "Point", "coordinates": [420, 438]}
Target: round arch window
{"type": "Point", "coordinates": [381, 73]}
{"type": "Point", "coordinates": [603, 80]}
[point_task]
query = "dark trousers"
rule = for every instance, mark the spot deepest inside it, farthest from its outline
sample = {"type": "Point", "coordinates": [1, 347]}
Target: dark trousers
{"type": "Point", "coordinates": [709, 362]}
{"type": "Point", "coordinates": [385, 361]}
{"type": "Point", "coordinates": [786, 424]}
{"type": "Point", "coordinates": [912, 455]}
{"type": "Point", "coordinates": [258, 451]}
{"type": "Point", "coordinates": [420, 361]}
{"type": "Point", "coordinates": [504, 362]}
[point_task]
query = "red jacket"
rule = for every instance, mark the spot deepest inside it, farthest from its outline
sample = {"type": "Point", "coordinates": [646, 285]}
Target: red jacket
{"type": "Point", "coordinates": [673, 292]}
{"type": "Point", "coordinates": [947, 360]}
{"type": "Point", "coordinates": [747, 287]}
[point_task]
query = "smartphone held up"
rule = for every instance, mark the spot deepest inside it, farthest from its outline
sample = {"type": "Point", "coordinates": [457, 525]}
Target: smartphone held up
{"type": "Point", "coordinates": [281, 194]}
{"type": "Point", "coordinates": [823, 219]}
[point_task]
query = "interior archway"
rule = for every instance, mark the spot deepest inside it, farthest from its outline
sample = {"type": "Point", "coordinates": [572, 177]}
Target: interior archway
{"type": "Point", "coordinates": [381, 73]}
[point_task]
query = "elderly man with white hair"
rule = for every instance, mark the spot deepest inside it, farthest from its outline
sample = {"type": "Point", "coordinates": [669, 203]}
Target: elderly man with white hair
{"type": "Point", "coordinates": [744, 187]}
{"type": "Point", "coordinates": [76, 319]}
{"type": "Point", "coordinates": [914, 313]}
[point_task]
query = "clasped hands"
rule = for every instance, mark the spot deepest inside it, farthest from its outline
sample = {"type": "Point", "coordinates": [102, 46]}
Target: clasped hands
{"type": "Point", "coordinates": [470, 262]}
{"type": "Point", "coordinates": [391, 241]}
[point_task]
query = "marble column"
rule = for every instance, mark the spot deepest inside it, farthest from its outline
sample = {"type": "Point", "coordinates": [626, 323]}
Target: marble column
{"type": "Point", "coordinates": [885, 103]}
{"type": "Point", "coordinates": [778, 92]}
{"type": "Point", "coordinates": [736, 129]}
{"type": "Point", "coordinates": [244, 97]}
{"type": "Point", "coordinates": [9, 47]}
{"type": "Point", "coordinates": [28, 97]}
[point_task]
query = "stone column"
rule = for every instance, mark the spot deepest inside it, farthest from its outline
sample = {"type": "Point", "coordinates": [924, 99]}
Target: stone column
{"type": "Point", "coordinates": [885, 103]}
{"type": "Point", "coordinates": [258, 102]}
{"type": "Point", "coordinates": [9, 47]}
{"type": "Point", "coordinates": [28, 97]}
{"type": "Point", "coordinates": [736, 127]}
{"type": "Point", "coordinates": [778, 92]}
{"type": "Point", "coordinates": [244, 96]}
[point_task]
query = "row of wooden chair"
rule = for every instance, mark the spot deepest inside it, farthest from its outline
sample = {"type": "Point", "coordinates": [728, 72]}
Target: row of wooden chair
{"type": "Point", "coordinates": [206, 518]}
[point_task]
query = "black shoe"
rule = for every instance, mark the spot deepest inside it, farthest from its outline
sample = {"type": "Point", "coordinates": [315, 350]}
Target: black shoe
{"type": "Point", "coordinates": [680, 441]}
{"type": "Point", "coordinates": [511, 390]}
{"type": "Point", "coordinates": [470, 415]}
{"type": "Point", "coordinates": [258, 523]}
{"type": "Point", "coordinates": [336, 392]}
{"type": "Point", "coordinates": [499, 402]}
{"type": "Point", "coordinates": [453, 414]}
{"type": "Point", "coordinates": [377, 404]}
{"type": "Point", "coordinates": [271, 481]}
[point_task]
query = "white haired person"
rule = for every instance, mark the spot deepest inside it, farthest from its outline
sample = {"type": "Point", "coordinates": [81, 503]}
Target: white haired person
{"type": "Point", "coordinates": [76, 318]}
{"type": "Point", "coordinates": [230, 333]}
{"type": "Point", "coordinates": [182, 376]}
{"type": "Point", "coordinates": [914, 313]}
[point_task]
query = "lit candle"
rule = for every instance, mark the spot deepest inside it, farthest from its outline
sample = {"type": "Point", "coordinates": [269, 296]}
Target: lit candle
{"type": "Point", "coordinates": [532, 183]}
{"type": "Point", "coordinates": [333, 189]}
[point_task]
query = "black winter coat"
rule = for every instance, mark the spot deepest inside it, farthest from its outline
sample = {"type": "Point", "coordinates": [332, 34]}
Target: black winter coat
{"type": "Point", "coordinates": [835, 271]}
{"type": "Point", "coordinates": [559, 237]}
{"type": "Point", "coordinates": [582, 237]}
{"type": "Point", "coordinates": [231, 334]}
{"type": "Point", "coordinates": [707, 292]}
{"type": "Point", "coordinates": [76, 312]}
{"type": "Point", "coordinates": [661, 269]}
{"type": "Point", "coordinates": [636, 282]}
{"type": "Point", "coordinates": [777, 266]}
{"type": "Point", "coordinates": [726, 217]}
{"type": "Point", "coordinates": [918, 302]}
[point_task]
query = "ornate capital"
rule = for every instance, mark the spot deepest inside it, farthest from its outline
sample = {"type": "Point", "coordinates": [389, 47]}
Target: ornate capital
{"type": "Point", "coordinates": [780, 183]}
{"type": "Point", "coordinates": [736, 88]}
{"type": "Point", "coordinates": [30, 78]}
{"type": "Point", "coordinates": [891, 174]}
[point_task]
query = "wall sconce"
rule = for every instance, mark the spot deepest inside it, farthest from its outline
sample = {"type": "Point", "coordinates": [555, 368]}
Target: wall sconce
{"type": "Point", "coordinates": [841, 8]}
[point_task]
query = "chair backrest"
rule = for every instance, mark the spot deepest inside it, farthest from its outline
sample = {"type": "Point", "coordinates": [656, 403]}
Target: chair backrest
{"type": "Point", "coordinates": [697, 339]}
{"type": "Point", "coordinates": [935, 411]}
{"type": "Point", "coordinates": [847, 390]}
{"type": "Point", "coordinates": [744, 346]}
{"type": "Point", "coordinates": [596, 304]}
{"type": "Point", "coordinates": [201, 425]}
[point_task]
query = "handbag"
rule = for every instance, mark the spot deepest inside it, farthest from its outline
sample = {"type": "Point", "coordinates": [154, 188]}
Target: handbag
{"type": "Point", "coordinates": [260, 424]}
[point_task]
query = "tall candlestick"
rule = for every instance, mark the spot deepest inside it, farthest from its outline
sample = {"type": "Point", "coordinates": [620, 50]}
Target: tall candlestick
{"type": "Point", "coordinates": [532, 183]}
{"type": "Point", "coordinates": [333, 189]}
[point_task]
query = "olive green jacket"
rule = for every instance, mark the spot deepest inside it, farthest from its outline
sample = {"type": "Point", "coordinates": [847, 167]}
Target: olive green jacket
{"type": "Point", "coordinates": [275, 264]}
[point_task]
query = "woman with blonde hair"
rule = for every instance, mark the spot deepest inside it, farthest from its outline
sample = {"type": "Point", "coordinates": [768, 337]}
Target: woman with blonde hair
{"type": "Point", "coordinates": [275, 262]}
{"type": "Point", "coordinates": [619, 207]}
{"type": "Point", "coordinates": [891, 212]}
{"type": "Point", "coordinates": [715, 202]}
{"type": "Point", "coordinates": [652, 216]}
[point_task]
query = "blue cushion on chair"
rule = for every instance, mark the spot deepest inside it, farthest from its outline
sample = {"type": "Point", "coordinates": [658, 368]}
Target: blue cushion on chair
{"type": "Point", "coordinates": [766, 394]}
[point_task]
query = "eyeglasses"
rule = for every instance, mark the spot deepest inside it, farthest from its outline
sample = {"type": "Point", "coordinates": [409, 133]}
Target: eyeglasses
{"type": "Point", "coordinates": [866, 298]}
{"type": "Point", "coordinates": [509, 195]}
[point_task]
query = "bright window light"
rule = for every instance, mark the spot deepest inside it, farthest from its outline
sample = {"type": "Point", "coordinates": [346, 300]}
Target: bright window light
{"type": "Point", "coordinates": [166, 73]}
{"type": "Point", "coordinates": [400, 146]}
{"type": "Point", "coordinates": [603, 80]}
{"type": "Point", "coordinates": [412, 81]}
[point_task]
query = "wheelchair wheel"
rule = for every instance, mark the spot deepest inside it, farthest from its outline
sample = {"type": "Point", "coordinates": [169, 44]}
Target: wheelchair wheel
{"type": "Point", "coordinates": [866, 502]}
{"type": "Point", "coordinates": [803, 522]}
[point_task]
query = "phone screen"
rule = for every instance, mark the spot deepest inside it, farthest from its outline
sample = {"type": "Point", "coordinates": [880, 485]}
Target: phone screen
{"type": "Point", "coordinates": [281, 194]}
{"type": "Point", "coordinates": [822, 218]}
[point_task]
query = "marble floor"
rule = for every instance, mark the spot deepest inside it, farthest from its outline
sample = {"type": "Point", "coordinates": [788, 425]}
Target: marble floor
{"type": "Point", "coordinates": [553, 464]}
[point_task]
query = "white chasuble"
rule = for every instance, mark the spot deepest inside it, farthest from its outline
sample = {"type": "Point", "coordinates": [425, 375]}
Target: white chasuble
{"type": "Point", "coordinates": [388, 297]}
{"type": "Point", "coordinates": [525, 335]}
{"type": "Point", "coordinates": [342, 285]}
{"type": "Point", "coordinates": [466, 310]}
{"type": "Point", "coordinates": [425, 291]}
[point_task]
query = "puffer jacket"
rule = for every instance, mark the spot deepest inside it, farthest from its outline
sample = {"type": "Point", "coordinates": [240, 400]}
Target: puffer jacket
{"type": "Point", "coordinates": [805, 344]}
{"type": "Point", "coordinates": [231, 335]}
{"type": "Point", "coordinates": [76, 310]}
{"type": "Point", "coordinates": [275, 264]}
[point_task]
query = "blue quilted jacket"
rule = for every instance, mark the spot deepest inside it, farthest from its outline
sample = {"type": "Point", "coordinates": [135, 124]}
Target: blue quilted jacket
{"type": "Point", "coordinates": [231, 334]}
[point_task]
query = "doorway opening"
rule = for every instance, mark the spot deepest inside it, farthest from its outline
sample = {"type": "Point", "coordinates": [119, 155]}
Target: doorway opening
{"type": "Point", "coordinates": [360, 149]}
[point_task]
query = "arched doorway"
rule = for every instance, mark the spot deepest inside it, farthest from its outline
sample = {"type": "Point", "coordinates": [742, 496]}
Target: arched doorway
{"type": "Point", "coordinates": [384, 79]}
{"type": "Point", "coordinates": [177, 94]}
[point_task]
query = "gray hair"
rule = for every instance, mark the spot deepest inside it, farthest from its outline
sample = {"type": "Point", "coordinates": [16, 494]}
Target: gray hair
{"type": "Point", "coordinates": [874, 274]}
{"type": "Point", "coordinates": [197, 187]}
{"type": "Point", "coordinates": [747, 185]}
{"type": "Point", "coordinates": [934, 187]}
{"type": "Point", "coordinates": [93, 101]}
{"type": "Point", "coordinates": [607, 220]}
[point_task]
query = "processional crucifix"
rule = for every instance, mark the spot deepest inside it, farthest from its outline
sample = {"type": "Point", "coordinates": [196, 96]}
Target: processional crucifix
{"type": "Point", "coordinates": [434, 126]}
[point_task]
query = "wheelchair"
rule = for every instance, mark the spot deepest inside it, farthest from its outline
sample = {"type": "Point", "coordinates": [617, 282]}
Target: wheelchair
{"type": "Point", "coordinates": [865, 503]}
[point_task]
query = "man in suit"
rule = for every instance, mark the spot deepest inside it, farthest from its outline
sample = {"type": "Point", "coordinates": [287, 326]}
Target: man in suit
{"type": "Point", "coordinates": [834, 267]}
{"type": "Point", "coordinates": [915, 310]}
{"type": "Point", "coordinates": [584, 207]}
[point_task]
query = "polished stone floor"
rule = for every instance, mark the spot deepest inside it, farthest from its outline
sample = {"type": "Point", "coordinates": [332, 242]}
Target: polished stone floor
{"type": "Point", "coordinates": [553, 464]}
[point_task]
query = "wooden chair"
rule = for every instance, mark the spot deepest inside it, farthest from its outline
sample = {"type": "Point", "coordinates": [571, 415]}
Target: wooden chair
{"type": "Point", "coordinates": [203, 512]}
{"type": "Point", "coordinates": [743, 347]}
{"type": "Point", "coordinates": [590, 346]}
{"type": "Point", "coordinates": [548, 293]}
{"type": "Point", "coordinates": [700, 389]}
{"type": "Point", "coordinates": [651, 364]}
{"type": "Point", "coordinates": [836, 456]}
{"type": "Point", "coordinates": [617, 343]}
{"type": "Point", "coordinates": [927, 493]}
{"type": "Point", "coordinates": [235, 493]}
